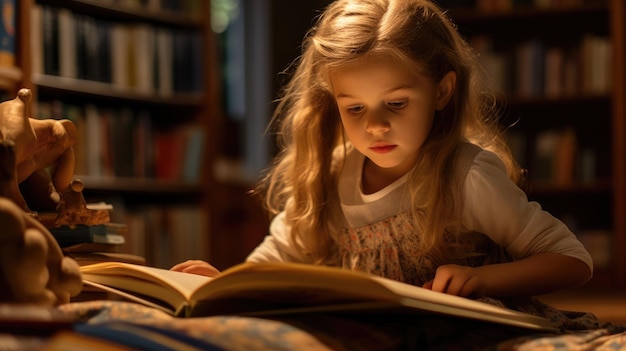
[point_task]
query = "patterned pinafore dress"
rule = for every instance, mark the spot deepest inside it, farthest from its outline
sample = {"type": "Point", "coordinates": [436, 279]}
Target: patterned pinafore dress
{"type": "Point", "coordinates": [387, 245]}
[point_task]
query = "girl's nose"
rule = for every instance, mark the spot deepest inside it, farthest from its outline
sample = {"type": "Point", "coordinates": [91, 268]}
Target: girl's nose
{"type": "Point", "coordinates": [377, 124]}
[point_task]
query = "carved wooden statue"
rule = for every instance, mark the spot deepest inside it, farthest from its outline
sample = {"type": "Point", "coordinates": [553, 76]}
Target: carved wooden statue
{"type": "Point", "coordinates": [36, 171]}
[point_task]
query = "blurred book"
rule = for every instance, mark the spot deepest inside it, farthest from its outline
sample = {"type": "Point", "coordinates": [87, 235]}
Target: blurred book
{"type": "Point", "coordinates": [98, 234]}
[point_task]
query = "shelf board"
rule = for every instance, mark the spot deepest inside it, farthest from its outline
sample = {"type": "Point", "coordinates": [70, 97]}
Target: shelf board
{"type": "Point", "coordinates": [140, 186]}
{"type": "Point", "coordinates": [556, 23]}
{"type": "Point", "coordinates": [524, 13]}
{"type": "Point", "coordinates": [113, 11]}
{"type": "Point", "coordinates": [10, 76]}
{"type": "Point", "coordinates": [55, 86]}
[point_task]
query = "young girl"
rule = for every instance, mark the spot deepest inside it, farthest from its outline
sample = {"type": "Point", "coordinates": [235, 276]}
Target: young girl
{"type": "Point", "coordinates": [392, 162]}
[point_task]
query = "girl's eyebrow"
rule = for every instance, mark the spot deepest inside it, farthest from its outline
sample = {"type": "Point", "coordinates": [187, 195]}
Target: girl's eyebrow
{"type": "Point", "coordinates": [400, 87]}
{"type": "Point", "coordinates": [390, 90]}
{"type": "Point", "coordinates": [342, 95]}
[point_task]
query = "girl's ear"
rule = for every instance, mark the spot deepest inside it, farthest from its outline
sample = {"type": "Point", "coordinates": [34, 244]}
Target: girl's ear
{"type": "Point", "coordinates": [445, 89]}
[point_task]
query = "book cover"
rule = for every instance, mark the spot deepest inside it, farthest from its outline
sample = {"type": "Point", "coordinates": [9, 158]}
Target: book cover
{"type": "Point", "coordinates": [144, 37]}
{"type": "Point", "coordinates": [193, 154]}
{"type": "Point", "coordinates": [278, 288]}
{"type": "Point", "coordinates": [164, 61]}
{"type": "Point", "coordinates": [50, 30]}
{"type": "Point", "coordinates": [67, 236]}
{"type": "Point", "coordinates": [119, 33]}
{"type": "Point", "coordinates": [36, 39]}
{"type": "Point", "coordinates": [67, 44]}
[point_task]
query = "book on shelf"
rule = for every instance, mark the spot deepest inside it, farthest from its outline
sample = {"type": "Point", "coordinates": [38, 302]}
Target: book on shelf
{"type": "Point", "coordinates": [263, 289]}
{"type": "Point", "coordinates": [559, 161]}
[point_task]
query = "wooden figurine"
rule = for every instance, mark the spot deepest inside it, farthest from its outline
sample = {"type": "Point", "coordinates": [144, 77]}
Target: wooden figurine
{"type": "Point", "coordinates": [33, 269]}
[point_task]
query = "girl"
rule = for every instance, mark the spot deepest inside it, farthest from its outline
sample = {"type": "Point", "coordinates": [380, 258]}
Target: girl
{"type": "Point", "coordinates": [392, 162]}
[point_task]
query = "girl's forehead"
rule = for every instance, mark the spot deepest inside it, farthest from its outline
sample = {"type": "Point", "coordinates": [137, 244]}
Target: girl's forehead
{"type": "Point", "coordinates": [370, 64]}
{"type": "Point", "coordinates": [373, 60]}
{"type": "Point", "coordinates": [376, 77]}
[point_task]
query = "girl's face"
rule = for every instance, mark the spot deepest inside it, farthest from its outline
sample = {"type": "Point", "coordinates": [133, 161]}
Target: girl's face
{"type": "Point", "coordinates": [387, 111]}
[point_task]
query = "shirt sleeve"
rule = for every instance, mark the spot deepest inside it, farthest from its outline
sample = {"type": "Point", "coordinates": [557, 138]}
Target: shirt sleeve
{"type": "Point", "coordinates": [498, 208]}
{"type": "Point", "coordinates": [278, 245]}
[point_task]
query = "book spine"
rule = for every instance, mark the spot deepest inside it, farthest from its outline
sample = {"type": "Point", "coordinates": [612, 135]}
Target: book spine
{"type": "Point", "coordinates": [67, 236]}
{"type": "Point", "coordinates": [50, 40]}
{"type": "Point", "coordinates": [7, 33]}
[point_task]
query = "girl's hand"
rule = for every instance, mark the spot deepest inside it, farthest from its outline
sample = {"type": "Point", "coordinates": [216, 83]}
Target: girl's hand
{"type": "Point", "coordinates": [196, 267]}
{"type": "Point", "coordinates": [457, 280]}
{"type": "Point", "coordinates": [535, 275]}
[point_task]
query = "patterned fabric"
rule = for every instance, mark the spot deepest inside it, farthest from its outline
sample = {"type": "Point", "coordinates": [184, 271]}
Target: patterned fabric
{"type": "Point", "coordinates": [367, 332]}
{"type": "Point", "coordinates": [385, 249]}
{"type": "Point", "coordinates": [389, 249]}
{"type": "Point", "coordinates": [389, 245]}
{"type": "Point", "coordinates": [116, 318]}
{"type": "Point", "coordinates": [136, 327]}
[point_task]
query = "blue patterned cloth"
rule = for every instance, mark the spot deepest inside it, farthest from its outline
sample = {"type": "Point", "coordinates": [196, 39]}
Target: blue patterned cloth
{"type": "Point", "coordinates": [136, 327]}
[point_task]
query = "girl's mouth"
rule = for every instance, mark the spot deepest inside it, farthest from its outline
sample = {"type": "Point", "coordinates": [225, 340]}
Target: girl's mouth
{"type": "Point", "coordinates": [383, 149]}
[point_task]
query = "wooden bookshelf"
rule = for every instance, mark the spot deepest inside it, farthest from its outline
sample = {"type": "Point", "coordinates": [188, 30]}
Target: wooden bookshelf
{"type": "Point", "coordinates": [144, 198]}
{"type": "Point", "coordinates": [597, 116]}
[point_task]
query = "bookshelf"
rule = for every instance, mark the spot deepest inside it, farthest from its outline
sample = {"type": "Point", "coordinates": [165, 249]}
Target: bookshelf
{"type": "Point", "coordinates": [564, 100]}
{"type": "Point", "coordinates": [139, 79]}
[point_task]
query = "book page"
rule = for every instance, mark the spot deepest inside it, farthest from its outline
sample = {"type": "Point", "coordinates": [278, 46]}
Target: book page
{"type": "Point", "coordinates": [161, 305]}
{"type": "Point", "coordinates": [294, 283]}
{"type": "Point", "coordinates": [415, 292]}
{"type": "Point", "coordinates": [183, 283]}
{"type": "Point", "coordinates": [307, 285]}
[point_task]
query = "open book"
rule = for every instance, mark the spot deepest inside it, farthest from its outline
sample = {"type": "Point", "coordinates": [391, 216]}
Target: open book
{"type": "Point", "coordinates": [274, 288]}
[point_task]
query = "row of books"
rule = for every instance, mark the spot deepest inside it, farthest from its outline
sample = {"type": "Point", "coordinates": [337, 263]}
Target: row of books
{"type": "Point", "coordinates": [122, 142]}
{"type": "Point", "coordinates": [534, 68]}
{"type": "Point", "coordinates": [138, 57]}
{"type": "Point", "coordinates": [555, 158]}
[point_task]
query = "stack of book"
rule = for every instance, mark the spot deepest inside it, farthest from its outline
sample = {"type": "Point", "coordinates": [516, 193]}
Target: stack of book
{"type": "Point", "coordinates": [109, 234]}
{"type": "Point", "coordinates": [88, 244]}
{"type": "Point", "coordinates": [95, 243]}
{"type": "Point", "coordinates": [85, 231]}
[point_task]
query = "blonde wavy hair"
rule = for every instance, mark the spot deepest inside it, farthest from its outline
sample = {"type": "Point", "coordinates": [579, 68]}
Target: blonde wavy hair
{"type": "Point", "coordinates": [303, 178]}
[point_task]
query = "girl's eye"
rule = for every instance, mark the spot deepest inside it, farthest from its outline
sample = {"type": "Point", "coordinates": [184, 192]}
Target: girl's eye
{"type": "Point", "coordinates": [396, 104]}
{"type": "Point", "coordinates": [355, 109]}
